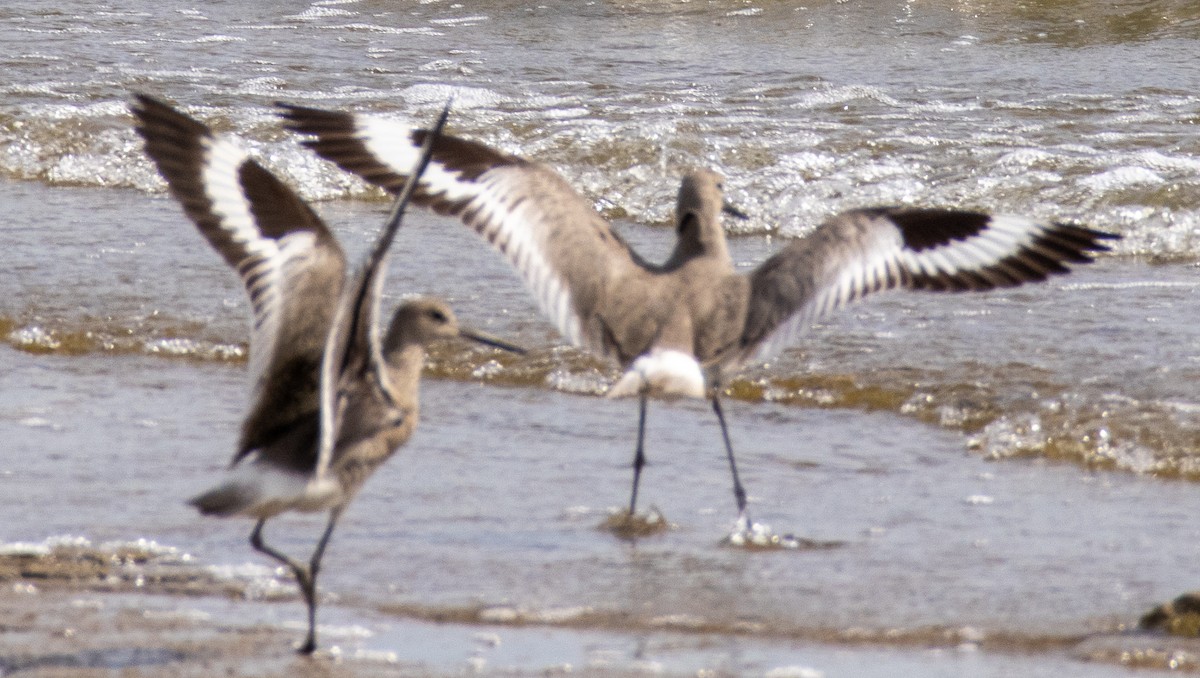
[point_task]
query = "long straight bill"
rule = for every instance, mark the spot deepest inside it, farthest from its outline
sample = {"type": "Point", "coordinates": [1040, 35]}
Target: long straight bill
{"type": "Point", "coordinates": [490, 340]}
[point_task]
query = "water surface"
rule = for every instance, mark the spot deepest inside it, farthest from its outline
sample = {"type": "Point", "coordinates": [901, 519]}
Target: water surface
{"type": "Point", "coordinates": [995, 480]}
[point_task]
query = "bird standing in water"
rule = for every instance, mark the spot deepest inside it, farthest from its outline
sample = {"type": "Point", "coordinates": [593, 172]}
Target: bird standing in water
{"type": "Point", "coordinates": [686, 326]}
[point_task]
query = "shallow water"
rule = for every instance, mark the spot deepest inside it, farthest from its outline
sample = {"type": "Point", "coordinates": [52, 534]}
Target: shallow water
{"type": "Point", "coordinates": [1006, 478]}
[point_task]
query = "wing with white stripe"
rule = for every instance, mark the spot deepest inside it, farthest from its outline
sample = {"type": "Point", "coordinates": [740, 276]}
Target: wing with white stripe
{"type": "Point", "coordinates": [865, 251]}
{"type": "Point", "coordinates": [566, 253]}
{"type": "Point", "coordinates": [289, 262]}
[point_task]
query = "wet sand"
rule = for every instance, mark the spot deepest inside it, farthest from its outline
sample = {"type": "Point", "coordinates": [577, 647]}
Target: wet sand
{"type": "Point", "coordinates": [56, 631]}
{"type": "Point", "coordinates": [80, 612]}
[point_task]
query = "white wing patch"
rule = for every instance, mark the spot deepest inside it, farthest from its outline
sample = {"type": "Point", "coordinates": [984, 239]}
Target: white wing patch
{"type": "Point", "coordinates": [514, 233]}
{"type": "Point", "coordinates": [391, 141]}
{"type": "Point", "coordinates": [849, 274]}
{"type": "Point", "coordinates": [488, 207]}
{"type": "Point", "coordinates": [1004, 236]}
{"type": "Point", "coordinates": [878, 260]}
{"type": "Point", "coordinates": [263, 269]}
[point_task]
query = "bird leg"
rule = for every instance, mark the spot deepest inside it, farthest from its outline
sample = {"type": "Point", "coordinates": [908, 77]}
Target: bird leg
{"type": "Point", "coordinates": [306, 575]}
{"type": "Point", "coordinates": [303, 577]}
{"type": "Point", "coordinates": [739, 492]}
{"type": "Point", "coordinates": [639, 455]}
{"type": "Point", "coordinates": [314, 566]}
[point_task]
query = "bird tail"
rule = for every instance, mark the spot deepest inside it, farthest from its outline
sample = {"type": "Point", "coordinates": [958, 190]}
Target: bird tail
{"type": "Point", "coordinates": [661, 372]}
{"type": "Point", "coordinates": [261, 492]}
{"type": "Point", "coordinates": [227, 499]}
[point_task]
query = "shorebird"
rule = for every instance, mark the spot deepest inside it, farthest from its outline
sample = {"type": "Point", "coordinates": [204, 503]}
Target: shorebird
{"type": "Point", "coordinates": [331, 398]}
{"type": "Point", "coordinates": [684, 327]}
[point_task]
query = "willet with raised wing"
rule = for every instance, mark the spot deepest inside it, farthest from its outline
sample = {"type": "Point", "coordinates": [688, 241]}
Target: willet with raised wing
{"type": "Point", "coordinates": [331, 399]}
{"type": "Point", "coordinates": [685, 326]}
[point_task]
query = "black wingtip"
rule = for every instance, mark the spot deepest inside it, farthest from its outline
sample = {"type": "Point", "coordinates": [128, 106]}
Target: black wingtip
{"type": "Point", "coordinates": [308, 120]}
{"type": "Point", "coordinates": [1086, 238]}
{"type": "Point", "coordinates": [144, 105]}
{"type": "Point", "coordinates": [143, 100]}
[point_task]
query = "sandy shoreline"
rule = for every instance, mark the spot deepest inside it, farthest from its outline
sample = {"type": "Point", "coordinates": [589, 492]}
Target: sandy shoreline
{"type": "Point", "coordinates": [82, 611]}
{"type": "Point", "coordinates": [51, 632]}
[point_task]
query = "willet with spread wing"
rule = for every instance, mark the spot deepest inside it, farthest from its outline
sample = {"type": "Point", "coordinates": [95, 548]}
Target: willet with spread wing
{"type": "Point", "coordinates": [331, 398]}
{"type": "Point", "coordinates": [686, 326]}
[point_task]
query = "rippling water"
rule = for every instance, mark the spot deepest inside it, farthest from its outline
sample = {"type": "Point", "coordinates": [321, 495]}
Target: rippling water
{"type": "Point", "coordinates": [125, 334]}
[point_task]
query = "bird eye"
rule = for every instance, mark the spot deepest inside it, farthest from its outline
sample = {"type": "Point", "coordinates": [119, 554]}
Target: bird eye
{"type": "Point", "coordinates": [436, 315]}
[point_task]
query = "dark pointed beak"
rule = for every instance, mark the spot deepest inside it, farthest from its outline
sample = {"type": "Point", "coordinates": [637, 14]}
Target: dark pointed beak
{"type": "Point", "coordinates": [489, 340]}
{"type": "Point", "coordinates": [734, 212]}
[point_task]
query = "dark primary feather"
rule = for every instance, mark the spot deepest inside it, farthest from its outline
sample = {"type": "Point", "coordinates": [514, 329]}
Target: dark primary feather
{"type": "Point", "coordinates": [788, 283]}
{"type": "Point", "coordinates": [621, 305]}
{"type": "Point", "coordinates": [522, 208]}
{"type": "Point", "coordinates": [293, 297]}
{"type": "Point", "coordinates": [176, 144]}
{"type": "Point", "coordinates": [927, 228]}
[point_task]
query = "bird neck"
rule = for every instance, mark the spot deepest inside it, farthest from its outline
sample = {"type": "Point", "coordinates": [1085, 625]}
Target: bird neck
{"type": "Point", "coordinates": [404, 363]}
{"type": "Point", "coordinates": [699, 236]}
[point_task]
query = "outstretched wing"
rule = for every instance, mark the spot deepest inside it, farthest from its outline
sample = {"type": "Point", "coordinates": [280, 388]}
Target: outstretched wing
{"type": "Point", "coordinates": [289, 262]}
{"type": "Point", "coordinates": [354, 350]}
{"type": "Point", "coordinates": [863, 251]}
{"type": "Point", "coordinates": [567, 254]}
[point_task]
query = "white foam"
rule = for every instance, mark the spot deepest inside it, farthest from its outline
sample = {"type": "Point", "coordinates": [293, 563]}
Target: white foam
{"type": "Point", "coordinates": [320, 12]}
{"type": "Point", "coordinates": [1123, 177]}
{"type": "Point", "coordinates": [389, 30]}
{"type": "Point", "coordinates": [591, 382]}
{"type": "Point", "coordinates": [487, 370]}
{"type": "Point", "coordinates": [1025, 157]}
{"type": "Point", "coordinates": [793, 672]}
{"type": "Point", "coordinates": [464, 97]}
{"type": "Point", "coordinates": [845, 94]}
{"type": "Point", "coordinates": [460, 21]}
{"type": "Point", "coordinates": [1157, 160]}
{"type": "Point", "coordinates": [40, 422]}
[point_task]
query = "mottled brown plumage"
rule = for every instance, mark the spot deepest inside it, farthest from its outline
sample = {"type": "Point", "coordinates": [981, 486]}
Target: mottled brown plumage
{"type": "Point", "coordinates": [331, 400]}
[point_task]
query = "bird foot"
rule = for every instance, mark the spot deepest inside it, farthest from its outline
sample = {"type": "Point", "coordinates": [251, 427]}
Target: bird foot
{"type": "Point", "coordinates": [631, 526]}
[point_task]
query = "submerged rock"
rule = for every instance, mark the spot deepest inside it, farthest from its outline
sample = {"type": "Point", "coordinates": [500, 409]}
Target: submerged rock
{"type": "Point", "coordinates": [1179, 617]}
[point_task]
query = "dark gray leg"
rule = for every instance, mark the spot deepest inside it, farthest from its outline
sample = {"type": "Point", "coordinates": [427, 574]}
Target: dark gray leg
{"type": "Point", "coordinates": [306, 575]}
{"type": "Point", "coordinates": [259, 545]}
{"type": "Point", "coordinates": [739, 492]}
{"type": "Point", "coordinates": [639, 456]}
{"type": "Point", "coordinates": [310, 594]}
